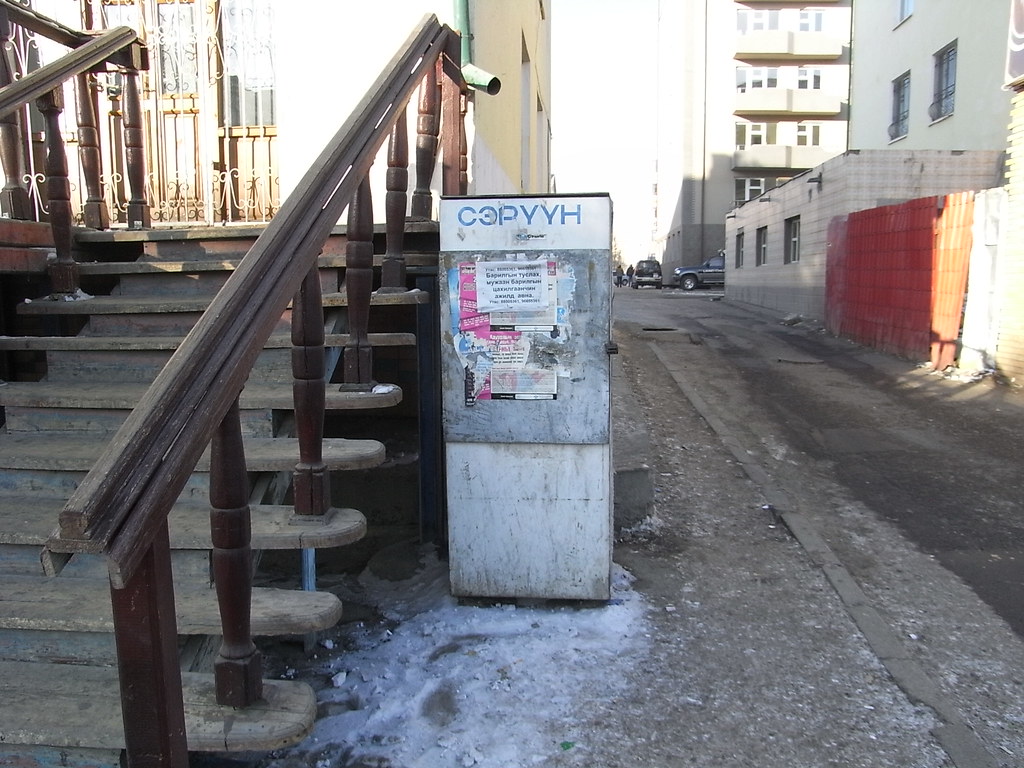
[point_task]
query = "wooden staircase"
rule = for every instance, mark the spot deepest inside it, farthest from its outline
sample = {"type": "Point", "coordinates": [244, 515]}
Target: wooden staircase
{"type": "Point", "coordinates": [166, 401]}
{"type": "Point", "coordinates": [57, 651]}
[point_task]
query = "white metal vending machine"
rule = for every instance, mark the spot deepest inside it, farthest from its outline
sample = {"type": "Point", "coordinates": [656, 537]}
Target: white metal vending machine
{"type": "Point", "coordinates": [525, 337]}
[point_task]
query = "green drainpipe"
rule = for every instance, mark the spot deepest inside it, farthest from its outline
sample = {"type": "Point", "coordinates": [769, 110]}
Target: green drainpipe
{"type": "Point", "coordinates": [473, 75]}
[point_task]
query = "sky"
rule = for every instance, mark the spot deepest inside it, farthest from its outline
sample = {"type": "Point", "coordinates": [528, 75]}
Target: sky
{"type": "Point", "coordinates": [603, 79]}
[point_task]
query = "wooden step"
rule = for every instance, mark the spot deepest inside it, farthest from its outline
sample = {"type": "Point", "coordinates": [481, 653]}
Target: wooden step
{"type": "Point", "coordinates": [124, 305]}
{"type": "Point", "coordinates": [131, 343]}
{"type": "Point", "coordinates": [29, 520]}
{"type": "Point", "coordinates": [83, 605]}
{"type": "Point", "coordinates": [151, 266]}
{"type": "Point", "coordinates": [77, 452]}
{"type": "Point", "coordinates": [77, 706]}
{"type": "Point", "coordinates": [125, 396]}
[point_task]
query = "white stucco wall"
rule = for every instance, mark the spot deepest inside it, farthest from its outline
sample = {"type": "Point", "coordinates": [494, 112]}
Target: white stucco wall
{"type": "Point", "coordinates": [324, 69]}
{"type": "Point", "coordinates": [884, 49]}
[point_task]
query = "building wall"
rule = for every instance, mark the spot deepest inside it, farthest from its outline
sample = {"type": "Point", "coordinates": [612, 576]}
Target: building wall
{"type": "Point", "coordinates": [981, 104]}
{"type": "Point", "coordinates": [1010, 272]}
{"type": "Point", "coordinates": [854, 181]}
{"type": "Point", "coordinates": [697, 185]}
{"type": "Point", "coordinates": [351, 44]}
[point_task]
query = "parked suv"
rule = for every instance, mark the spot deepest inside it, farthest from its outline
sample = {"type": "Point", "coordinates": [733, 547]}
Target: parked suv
{"type": "Point", "coordinates": [711, 272]}
{"type": "Point", "coordinates": [647, 272]}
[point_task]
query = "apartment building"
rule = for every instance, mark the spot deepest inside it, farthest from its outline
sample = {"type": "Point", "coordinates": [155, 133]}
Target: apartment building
{"type": "Point", "coordinates": [765, 97]}
{"type": "Point", "coordinates": [925, 76]}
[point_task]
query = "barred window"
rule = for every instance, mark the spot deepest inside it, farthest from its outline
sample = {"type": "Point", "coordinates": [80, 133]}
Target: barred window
{"type": "Point", "coordinates": [945, 83]}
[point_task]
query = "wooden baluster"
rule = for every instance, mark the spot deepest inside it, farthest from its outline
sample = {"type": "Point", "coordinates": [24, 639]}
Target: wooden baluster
{"type": "Point", "coordinates": [14, 200]}
{"type": "Point", "coordinates": [463, 146]}
{"type": "Point", "coordinates": [427, 126]}
{"type": "Point", "coordinates": [238, 670]}
{"type": "Point", "coordinates": [311, 482]}
{"type": "Point", "coordinates": [64, 271]}
{"type": "Point", "coordinates": [358, 357]}
{"type": "Point", "coordinates": [392, 278]}
{"type": "Point", "coordinates": [146, 635]}
{"type": "Point", "coordinates": [95, 209]}
{"type": "Point", "coordinates": [452, 135]}
{"type": "Point", "coordinates": [135, 153]}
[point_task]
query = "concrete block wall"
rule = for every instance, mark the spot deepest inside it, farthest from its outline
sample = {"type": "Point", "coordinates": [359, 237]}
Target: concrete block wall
{"type": "Point", "coordinates": [1010, 272]}
{"type": "Point", "coordinates": [853, 181]}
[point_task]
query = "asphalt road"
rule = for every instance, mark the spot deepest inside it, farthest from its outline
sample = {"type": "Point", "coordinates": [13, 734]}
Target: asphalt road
{"type": "Point", "coordinates": [838, 426]}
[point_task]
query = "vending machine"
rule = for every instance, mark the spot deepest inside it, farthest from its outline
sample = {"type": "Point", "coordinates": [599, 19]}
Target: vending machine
{"type": "Point", "coordinates": [526, 288]}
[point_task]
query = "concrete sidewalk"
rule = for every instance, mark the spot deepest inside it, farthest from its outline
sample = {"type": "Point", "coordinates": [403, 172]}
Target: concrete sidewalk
{"type": "Point", "coordinates": [770, 613]}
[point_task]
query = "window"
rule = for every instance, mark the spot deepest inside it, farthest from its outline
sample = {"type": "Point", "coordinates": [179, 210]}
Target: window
{"type": "Point", "coordinates": [755, 134]}
{"type": "Point", "coordinates": [747, 189]}
{"type": "Point", "coordinates": [791, 253]}
{"type": "Point", "coordinates": [808, 134]}
{"type": "Point", "coordinates": [945, 83]}
{"type": "Point", "coordinates": [249, 79]}
{"type": "Point", "coordinates": [756, 77]}
{"type": "Point", "coordinates": [811, 21]}
{"type": "Point", "coordinates": [906, 8]}
{"type": "Point", "coordinates": [900, 106]}
{"type": "Point", "coordinates": [756, 21]}
{"type": "Point", "coordinates": [761, 246]}
{"type": "Point", "coordinates": [739, 249]}
{"type": "Point", "coordinates": [808, 78]}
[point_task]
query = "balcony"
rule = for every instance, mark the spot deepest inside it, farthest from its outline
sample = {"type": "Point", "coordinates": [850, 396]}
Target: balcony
{"type": "Point", "coordinates": [797, 103]}
{"type": "Point", "coordinates": [779, 157]}
{"type": "Point", "coordinates": [782, 45]}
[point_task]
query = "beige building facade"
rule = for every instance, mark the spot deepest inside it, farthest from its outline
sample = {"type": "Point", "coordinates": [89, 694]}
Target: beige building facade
{"type": "Point", "coordinates": [929, 75]}
{"type": "Point", "coordinates": [509, 132]}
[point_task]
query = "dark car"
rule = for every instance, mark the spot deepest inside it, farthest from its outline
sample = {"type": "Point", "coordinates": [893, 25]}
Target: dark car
{"type": "Point", "coordinates": [711, 272]}
{"type": "Point", "coordinates": [647, 272]}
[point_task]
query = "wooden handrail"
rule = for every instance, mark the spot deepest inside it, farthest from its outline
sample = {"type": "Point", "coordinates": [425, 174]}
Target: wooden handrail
{"type": "Point", "coordinates": [50, 76]}
{"type": "Point", "coordinates": [121, 504]}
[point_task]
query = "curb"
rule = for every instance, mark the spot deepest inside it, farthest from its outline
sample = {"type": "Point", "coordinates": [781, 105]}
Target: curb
{"type": "Point", "coordinates": [962, 745]}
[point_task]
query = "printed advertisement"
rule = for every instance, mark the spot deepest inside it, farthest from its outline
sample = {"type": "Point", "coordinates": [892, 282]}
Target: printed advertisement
{"type": "Point", "coordinates": [504, 309]}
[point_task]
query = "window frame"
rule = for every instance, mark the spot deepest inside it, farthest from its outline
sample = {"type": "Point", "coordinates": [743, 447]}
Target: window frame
{"type": "Point", "coordinates": [944, 82]}
{"type": "Point", "coordinates": [749, 187]}
{"type": "Point", "coordinates": [900, 125]}
{"type": "Point", "coordinates": [740, 244]}
{"type": "Point", "coordinates": [756, 78]}
{"type": "Point", "coordinates": [761, 246]}
{"type": "Point", "coordinates": [811, 20]}
{"type": "Point", "coordinates": [808, 134]}
{"type": "Point", "coordinates": [791, 245]}
{"type": "Point", "coordinates": [808, 78]}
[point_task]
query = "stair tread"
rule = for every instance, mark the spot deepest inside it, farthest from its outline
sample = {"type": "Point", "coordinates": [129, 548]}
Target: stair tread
{"type": "Point", "coordinates": [83, 605]}
{"type": "Point", "coordinates": [129, 343]}
{"type": "Point", "coordinates": [126, 395]}
{"type": "Point", "coordinates": [153, 266]}
{"type": "Point", "coordinates": [67, 705]}
{"type": "Point", "coordinates": [77, 452]}
{"type": "Point", "coordinates": [124, 305]}
{"type": "Point", "coordinates": [30, 520]}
